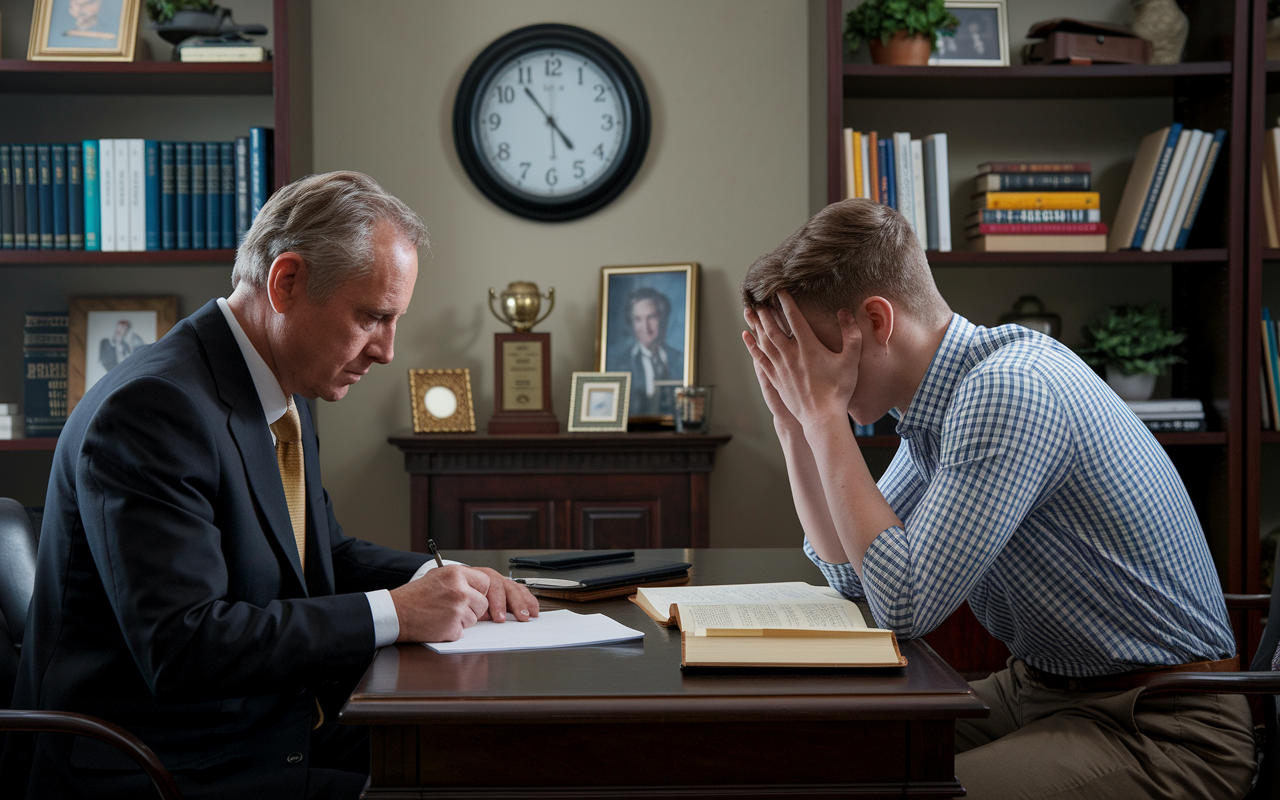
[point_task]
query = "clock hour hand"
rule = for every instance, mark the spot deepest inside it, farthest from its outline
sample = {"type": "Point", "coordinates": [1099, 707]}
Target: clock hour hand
{"type": "Point", "coordinates": [550, 121]}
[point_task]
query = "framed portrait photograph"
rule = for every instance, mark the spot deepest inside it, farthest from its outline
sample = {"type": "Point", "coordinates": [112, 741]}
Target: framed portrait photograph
{"type": "Point", "coordinates": [598, 402]}
{"type": "Point", "coordinates": [982, 38]}
{"type": "Point", "coordinates": [441, 401]}
{"type": "Point", "coordinates": [648, 327]}
{"type": "Point", "coordinates": [104, 331]}
{"type": "Point", "coordinates": [84, 30]}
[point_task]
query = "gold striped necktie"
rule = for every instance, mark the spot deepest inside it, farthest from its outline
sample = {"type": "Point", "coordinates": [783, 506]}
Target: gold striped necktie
{"type": "Point", "coordinates": [288, 433]}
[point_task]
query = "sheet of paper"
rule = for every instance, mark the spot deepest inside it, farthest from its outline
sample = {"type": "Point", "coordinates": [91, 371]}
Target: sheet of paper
{"type": "Point", "coordinates": [560, 628]}
{"type": "Point", "coordinates": [794, 591]}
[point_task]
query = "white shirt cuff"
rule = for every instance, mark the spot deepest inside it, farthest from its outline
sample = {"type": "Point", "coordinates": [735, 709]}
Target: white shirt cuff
{"type": "Point", "coordinates": [386, 624]}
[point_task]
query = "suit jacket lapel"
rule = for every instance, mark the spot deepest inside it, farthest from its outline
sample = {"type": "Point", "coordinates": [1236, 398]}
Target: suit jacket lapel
{"type": "Point", "coordinates": [248, 427]}
{"type": "Point", "coordinates": [319, 543]}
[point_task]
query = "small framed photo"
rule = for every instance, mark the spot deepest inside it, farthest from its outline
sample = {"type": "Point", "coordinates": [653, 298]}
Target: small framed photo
{"type": "Point", "coordinates": [84, 30]}
{"type": "Point", "coordinates": [441, 401]}
{"type": "Point", "coordinates": [982, 38]}
{"type": "Point", "coordinates": [598, 402]}
{"type": "Point", "coordinates": [648, 327]}
{"type": "Point", "coordinates": [104, 331]}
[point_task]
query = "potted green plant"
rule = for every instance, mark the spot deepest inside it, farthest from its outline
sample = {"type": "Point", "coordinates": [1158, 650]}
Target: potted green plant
{"type": "Point", "coordinates": [1134, 345]}
{"type": "Point", "coordinates": [899, 31]}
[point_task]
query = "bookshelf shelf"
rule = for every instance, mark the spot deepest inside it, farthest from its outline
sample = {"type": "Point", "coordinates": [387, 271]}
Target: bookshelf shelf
{"type": "Point", "coordinates": [1270, 254]}
{"type": "Point", "coordinates": [140, 77]}
{"type": "Point", "coordinates": [1192, 439]}
{"type": "Point", "coordinates": [969, 257]}
{"type": "Point", "coordinates": [134, 257]}
{"type": "Point", "coordinates": [1038, 81]}
{"type": "Point", "coordinates": [15, 445]}
{"type": "Point", "coordinates": [1270, 437]}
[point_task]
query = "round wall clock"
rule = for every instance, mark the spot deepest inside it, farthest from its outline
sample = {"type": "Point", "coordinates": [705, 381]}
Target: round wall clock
{"type": "Point", "coordinates": [551, 122]}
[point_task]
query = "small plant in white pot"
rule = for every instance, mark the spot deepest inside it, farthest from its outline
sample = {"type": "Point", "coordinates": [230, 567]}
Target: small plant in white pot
{"type": "Point", "coordinates": [1134, 345]}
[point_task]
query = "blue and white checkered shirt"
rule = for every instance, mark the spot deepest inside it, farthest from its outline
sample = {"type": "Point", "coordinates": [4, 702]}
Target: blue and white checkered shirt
{"type": "Point", "coordinates": [1028, 488]}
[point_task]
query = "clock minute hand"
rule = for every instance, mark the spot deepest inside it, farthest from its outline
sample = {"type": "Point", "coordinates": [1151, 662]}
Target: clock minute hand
{"type": "Point", "coordinates": [550, 120]}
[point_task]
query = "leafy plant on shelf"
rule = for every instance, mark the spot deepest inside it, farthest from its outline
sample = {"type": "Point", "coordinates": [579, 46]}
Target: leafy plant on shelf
{"type": "Point", "coordinates": [881, 19]}
{"type": "Point", "coordinates": [1136, 339]}
{"type": "Point", "coordinates": [162, 11]}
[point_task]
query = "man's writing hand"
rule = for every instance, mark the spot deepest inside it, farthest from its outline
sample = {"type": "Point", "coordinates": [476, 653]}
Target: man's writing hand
{"type": "Point", "coordinates": [440, 605]}
{"type": "Point", "coordinates": [813, 382]}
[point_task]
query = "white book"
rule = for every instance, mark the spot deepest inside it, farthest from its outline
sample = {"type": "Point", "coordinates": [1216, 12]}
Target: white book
{"type": "Point", "coordinates": [1162, 202]}
{"type": "Point", "coordinates": [1188, 191]}
{"type": "Point", "coordinates": [850, 190]}
{"type": "Point", "coordinates": [866, 166]}
{"type": "Point", "coordinates": [942, 188]}
{"type": "Point", "coordinates": [137, 194]}
{"type": "Point", "coordinates": [8, 409]}
{"type": "Point", "coordinates": [120, 194]}
{"type": "Point", "coordinates": [906, 204]}
{"type": "Point", "coordinates": [1179, 189]}
{"type": "Point", "coordinates": [107, 192]}
{"type": "Point", "coordinates": [917, 192]}
{"type": "Point", "coordinates": [10, 427]}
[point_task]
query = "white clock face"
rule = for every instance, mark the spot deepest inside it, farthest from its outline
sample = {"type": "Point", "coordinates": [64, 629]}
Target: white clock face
{"type": "Point", "coordinates": [551, 123]}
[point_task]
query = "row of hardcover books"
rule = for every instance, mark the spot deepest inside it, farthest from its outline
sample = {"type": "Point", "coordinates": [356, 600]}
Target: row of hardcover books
{"type": "Point", "coordinates": [910, 175]}
{"type": "Point", "coordinates": [1270, 372]}
{"type": "Point", "coordinates": [1165, 188]}
{"type": "Point", "coordinates": [133, 194]}
{"type": "Point", "coordinates": [44, 372]}
{"type": "Point", "coordinates": [1271, 185]}
{"type": "Point", "coordinates": [1056, 211]}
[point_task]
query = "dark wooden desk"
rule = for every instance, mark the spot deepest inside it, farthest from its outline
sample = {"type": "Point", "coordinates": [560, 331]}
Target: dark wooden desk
{"type": "Point", "coordinates": [591, 491]}
{"type": "Point", "coordinates": [623, 721]}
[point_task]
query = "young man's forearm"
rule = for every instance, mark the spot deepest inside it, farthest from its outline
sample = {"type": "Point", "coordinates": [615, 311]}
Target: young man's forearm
{"type": "Point", "coordinates": [806, 490]}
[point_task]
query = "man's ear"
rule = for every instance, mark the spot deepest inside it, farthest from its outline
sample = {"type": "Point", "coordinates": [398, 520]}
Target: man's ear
{"type": "Point", "coordinates": [879, 312]}
{"type": "Point", "coordinates": [286, 281]}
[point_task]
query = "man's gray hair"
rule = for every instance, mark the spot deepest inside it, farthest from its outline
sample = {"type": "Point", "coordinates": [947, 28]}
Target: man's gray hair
{"type": "Point", "coordinates": [329, 220]}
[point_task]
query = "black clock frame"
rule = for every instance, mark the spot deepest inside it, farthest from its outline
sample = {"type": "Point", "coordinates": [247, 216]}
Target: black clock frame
{"type": "Point", "coordinates": [631, 155]}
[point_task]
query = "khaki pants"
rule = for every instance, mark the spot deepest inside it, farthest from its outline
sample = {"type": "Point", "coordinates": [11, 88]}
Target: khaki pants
{"type": "Point", "coordinates": [1044, 743]}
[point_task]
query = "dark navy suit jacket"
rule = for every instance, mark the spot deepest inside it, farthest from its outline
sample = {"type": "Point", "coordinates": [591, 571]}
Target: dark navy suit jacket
{"type": "Point", "coordinates": [169, 596]}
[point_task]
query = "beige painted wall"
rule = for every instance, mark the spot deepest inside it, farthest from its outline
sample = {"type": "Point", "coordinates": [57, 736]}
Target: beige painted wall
{"type": "Point", "coordinates": [726, 179]}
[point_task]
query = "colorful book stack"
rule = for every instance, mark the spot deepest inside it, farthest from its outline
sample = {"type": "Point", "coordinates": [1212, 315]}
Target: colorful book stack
{"type": "Point", "coordinates": [10, 421]}
{"type": "Point", "coordinates": [1165, 188]}
{"type": "Point", "coordinates": [1041, 207]}
{"type": "Point", "coordinates": [44, 372]}
{"type": "Point", "coordinates": [911, 175]}
{"type": "Point", "coordinates": [133, 194]}
{"type": "Point", "coordinates": [1177, 415]}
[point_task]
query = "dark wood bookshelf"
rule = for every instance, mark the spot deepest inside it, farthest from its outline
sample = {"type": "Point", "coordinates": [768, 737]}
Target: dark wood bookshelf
{"type": "Point", "coordinates": [115, 258]}
{"type": "Point", "coordinates": [968, 257]}
{"type": "Point", "coordinates": [138, 77]}
{"type": "Point", "coordinates": [1269, 437]}
{"type": "Point", "coordinates": [1037, 81]}
{"type": "Point", "coordinates": [14, 445]}
{"type": "Point", "coordinates": [1270, 254]}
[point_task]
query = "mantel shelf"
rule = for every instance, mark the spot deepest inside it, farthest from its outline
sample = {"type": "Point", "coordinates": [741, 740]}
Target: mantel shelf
{"type": "Point", "coordinates": [1035, 81]}
{"type": "Point", "coordinates": [139, 77]}
{"type": "Point", "coordinates": [969, 257]}
{"type": "Point", "coordinates": [124, 257]}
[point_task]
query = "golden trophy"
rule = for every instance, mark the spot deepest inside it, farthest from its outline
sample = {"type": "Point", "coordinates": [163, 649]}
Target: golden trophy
{"type": "Point", "coordinates": [522, 362]}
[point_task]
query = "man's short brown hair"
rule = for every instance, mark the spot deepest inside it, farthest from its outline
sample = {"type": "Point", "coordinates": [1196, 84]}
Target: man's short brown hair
{"type": "Point", "coordinates": [849, 251]}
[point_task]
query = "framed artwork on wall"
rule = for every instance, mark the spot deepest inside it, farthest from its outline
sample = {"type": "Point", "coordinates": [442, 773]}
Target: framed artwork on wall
{"type": "Point", "coordinates": [104, 331]}
{"type": "Point", "coordinates": [84, 30]}
{"type": "Point", "coordinates": [441, 401]}
{"type": "Point", "coordinates": [981, 39]}
{"type": "Point", "coordinates": [598, 402]}
{"type": "Point", "coordinates": [648, 327]}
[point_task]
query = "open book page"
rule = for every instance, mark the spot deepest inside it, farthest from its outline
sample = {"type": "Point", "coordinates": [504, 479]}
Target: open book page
{"type": "Point", "coordinates": [810, 616]}
{"type": "Point", "coordinates": [657, 601]}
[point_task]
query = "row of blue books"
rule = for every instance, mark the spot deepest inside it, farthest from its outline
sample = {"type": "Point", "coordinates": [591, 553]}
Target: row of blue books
{"type": "Point", "coordinates": [133, 194]}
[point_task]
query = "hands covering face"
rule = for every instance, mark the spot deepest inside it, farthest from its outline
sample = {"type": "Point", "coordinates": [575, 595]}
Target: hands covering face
{"type": "Point", "coordinates": [803, 381]}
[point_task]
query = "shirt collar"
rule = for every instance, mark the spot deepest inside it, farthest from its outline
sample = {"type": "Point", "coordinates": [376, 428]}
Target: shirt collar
{"type": "Point", "coordinates": [929, 405]}
{"type": "Point", "coordinates": [274, 403]}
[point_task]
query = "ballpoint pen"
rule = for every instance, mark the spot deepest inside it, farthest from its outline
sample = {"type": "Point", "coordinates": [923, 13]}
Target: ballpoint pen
{"type": "Point", "coordinates": [431, 546]}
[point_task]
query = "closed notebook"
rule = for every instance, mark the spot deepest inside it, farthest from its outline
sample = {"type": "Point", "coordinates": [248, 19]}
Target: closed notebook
{"type": "Point", "coordinates": [626, 573]}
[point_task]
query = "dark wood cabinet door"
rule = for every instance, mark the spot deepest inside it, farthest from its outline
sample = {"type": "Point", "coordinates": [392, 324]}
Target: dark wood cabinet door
{"type": "Point", "coordinates": [621, 525]}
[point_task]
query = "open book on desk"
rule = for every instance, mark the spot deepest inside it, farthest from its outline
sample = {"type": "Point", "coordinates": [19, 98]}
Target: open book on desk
{"type": "Point", "coordinates": [769, 625]}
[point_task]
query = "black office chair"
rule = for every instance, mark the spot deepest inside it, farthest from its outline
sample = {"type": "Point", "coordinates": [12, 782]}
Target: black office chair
{"type": "Point", "coordinates": [19, 533]}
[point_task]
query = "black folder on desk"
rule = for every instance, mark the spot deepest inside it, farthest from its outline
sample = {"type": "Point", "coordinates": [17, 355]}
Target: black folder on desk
{"type": "Point", "coordinates": [590, 580]}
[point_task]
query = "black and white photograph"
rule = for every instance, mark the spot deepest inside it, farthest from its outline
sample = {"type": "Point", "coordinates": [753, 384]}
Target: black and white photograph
{"type": "Point", "coordinates": [647, 325]}
{"type": "Point", "coordinates": [981, 39]}
{"type": "Point", "coordinates": [104, 331]}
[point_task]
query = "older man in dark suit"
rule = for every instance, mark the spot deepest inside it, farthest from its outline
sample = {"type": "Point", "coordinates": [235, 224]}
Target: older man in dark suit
{"type": "Point", "coordinates": [193, 584]}
{"type": "Point", "coordinates": [656, 367]}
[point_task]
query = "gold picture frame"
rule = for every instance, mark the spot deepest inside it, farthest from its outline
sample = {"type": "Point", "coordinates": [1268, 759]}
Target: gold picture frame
{"type": "Point", "coordinates": [671, 311]}
{"type": "Point", "coordinates": [110, 329]}
{"type": "Point", "coordinates": [447, 411]}
{"type": "Point", "coordinates": [105, 31]}
{"type": "Point", "coordinates": [598, 402]}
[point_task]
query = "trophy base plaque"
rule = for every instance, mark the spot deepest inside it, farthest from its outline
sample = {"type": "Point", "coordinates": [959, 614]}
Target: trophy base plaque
{"type": "Point", "coordinates": [522, 384]}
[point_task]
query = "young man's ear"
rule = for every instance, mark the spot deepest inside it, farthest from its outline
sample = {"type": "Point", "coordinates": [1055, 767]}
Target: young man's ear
{"type": "Point", "coordinates": [879, 313]}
